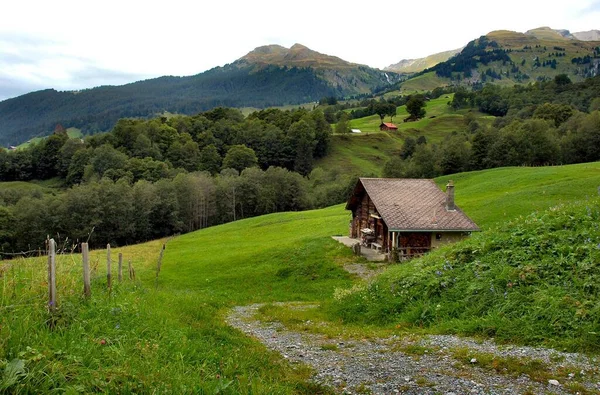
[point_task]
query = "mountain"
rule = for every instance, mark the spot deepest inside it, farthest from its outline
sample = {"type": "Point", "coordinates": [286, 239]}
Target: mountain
{"type": "Point", "coordinates": [592, 35]}
{"type": "Point", "coordinates": [508, 57]}
{"type": "Point", "coordinates": [267, 76]}
{"type": "Point", "coordinates": [549, 33]}
{"type": "Point", "coordinates": [347, 78]}
{"type": "Point", "coordinates": [406, 66]}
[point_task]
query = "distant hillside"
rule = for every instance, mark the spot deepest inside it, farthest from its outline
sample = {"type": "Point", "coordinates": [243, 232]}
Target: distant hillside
{"type": "Point", "coordinates": [507, 57]}
{"type": "Point", "coordinates": [417, 65]}
{"type": "Point", "coordinates": [549, 33]}
{"type": "Point", "coordinates": [268, 76]}
{"type": "Point", "coordinates": [592, 35]}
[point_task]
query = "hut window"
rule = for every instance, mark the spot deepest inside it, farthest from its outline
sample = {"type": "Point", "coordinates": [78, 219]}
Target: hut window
{"type": "Point", "coordinates": [438, 236]}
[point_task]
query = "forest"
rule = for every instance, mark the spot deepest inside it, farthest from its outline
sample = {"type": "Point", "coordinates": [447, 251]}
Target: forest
{"type": "Point", "coordinates": [151, 178]}
{"type": "Point", "coordinates": [546, 123]}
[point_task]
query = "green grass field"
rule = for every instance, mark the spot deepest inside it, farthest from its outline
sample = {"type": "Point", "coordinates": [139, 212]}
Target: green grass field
{"type": "Point", "coordinates": [170, 336]}
{"type": "Point", "coordinates": [421, 83]}
{"type": "Point", "coordinates": [497, 195]}
{"type": "Point", "coordinates": [533, 281]}
{"type": "Point", "coordinates": [71, 132]}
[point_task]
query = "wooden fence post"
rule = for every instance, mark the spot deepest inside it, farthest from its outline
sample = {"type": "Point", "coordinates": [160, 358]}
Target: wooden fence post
{"type": "Point", "coordinates": [87, 289]}
{"type": "Point", "coordinates": [120, 267]}
{"type": "Point", "coordinates": [108, 276]}
{"type": "Point", "coordinates": [129, 267]}
{"type": "Point", "coordinates": [51, 275]}
{"type": "Point", "coordinates": [162, 251]}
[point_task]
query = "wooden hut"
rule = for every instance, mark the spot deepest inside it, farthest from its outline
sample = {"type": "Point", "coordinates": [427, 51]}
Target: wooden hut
{"type": "Point", "coordinates": [412, 216]}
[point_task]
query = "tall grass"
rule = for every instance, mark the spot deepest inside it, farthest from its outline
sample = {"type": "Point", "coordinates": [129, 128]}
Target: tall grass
{"type": "Point", "coordinates": [170, 339]}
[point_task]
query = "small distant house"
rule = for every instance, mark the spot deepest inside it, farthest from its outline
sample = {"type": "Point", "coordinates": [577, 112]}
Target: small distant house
{"type": "Point", "coordinates": [12, 147]}
{"type": "Point", "coordinates": [388, 126]}
{"type": "Point", "coordinates": [355, 130]}
{"type": "Point", "coordinates": [412, 216]}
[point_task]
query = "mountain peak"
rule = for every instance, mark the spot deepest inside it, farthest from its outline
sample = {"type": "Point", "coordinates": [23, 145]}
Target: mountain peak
{"type": "Point", "coordinates": [268, 49]}
{"type": "Point", "coordinates": [297, 56]}
{"type": "Point", "coordinates": [547, 33]}
{"type": "Point", "coordinates": [299, 47]}
{"type": "Point", "coordinates": [591, 35]}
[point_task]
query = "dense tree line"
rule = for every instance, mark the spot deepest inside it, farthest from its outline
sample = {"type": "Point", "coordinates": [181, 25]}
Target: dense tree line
{"type": "Point", "coordinates": [544, 124]}
{"type": "Point", "coordinates": [158, 148]}
{"type": "Point", "coordinates": [119, 212]}
{"type": "Point", "coordinates": [500, 101]}
{"type": "Point", "coordinates": [150, 178]}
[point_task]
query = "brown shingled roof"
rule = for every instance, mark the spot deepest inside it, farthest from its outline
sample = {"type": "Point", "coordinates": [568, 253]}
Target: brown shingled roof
{"type": "Point", "coordinates": [411, 204]}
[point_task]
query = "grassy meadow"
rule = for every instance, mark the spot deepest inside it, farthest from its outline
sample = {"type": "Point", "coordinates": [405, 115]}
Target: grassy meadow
{"type": "Point", "coordinates": [71, 132]}
{"type": "Point", "coordinates": [367, 153]}
{"type": "Point", "coordinates": [493, 196]}
{"type": "Point", "coordinates": [420, 84]}
{"type": "Point", "coordinates": [169, 335]}
{"type": "Point", "coordinates": [534, 280]}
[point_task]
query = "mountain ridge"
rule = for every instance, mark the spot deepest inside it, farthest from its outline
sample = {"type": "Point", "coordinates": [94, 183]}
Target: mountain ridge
{"type": "Point", "coordinates": [508, 57]}
{"type": "Point", "coordinates": [266, 77]}
{"type": "Point", "coordinates": [543, 33]}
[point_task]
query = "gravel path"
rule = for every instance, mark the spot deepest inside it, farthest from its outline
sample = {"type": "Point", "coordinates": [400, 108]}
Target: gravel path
{"type": "Point", "coordinates": [377, 366]}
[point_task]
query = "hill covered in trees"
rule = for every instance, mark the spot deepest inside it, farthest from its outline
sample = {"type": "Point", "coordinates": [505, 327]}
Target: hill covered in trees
{"type": "Point", "coordinates": [151, 178]}
{"type": "Point", "coordinates": [506, 58]}
{"type": "Point", "coordinates": [259, 79]}
{"type": "Point", "coordinates": [546, 123]}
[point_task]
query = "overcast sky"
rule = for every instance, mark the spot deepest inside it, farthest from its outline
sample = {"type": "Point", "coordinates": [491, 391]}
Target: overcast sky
{"type": "Point", "coordinates": [66, 44]}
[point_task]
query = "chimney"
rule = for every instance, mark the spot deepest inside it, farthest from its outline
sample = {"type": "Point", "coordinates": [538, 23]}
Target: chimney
{"type": "Point", "coordinates": [450, 196]}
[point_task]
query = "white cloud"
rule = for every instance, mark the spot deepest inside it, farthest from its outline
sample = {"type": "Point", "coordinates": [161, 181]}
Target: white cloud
{"type": "Point", "coordinates": [55, 44]}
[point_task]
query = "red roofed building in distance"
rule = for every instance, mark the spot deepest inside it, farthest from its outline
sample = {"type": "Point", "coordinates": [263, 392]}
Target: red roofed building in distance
{"type": "Point", "coordinates": [387, 126]}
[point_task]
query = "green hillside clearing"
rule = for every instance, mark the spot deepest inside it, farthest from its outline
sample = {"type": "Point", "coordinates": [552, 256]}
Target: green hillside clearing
{"type": "Point", "coordinates": [367, 153]}
{"type": "Point", "coordinates": [496, 195]}
{"type": "Point", "coordinates": [71, 132]}
{"type": "Point", "coordinates": [421, 83]}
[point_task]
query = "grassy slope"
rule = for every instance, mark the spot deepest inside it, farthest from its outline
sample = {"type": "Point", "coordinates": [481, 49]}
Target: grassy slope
{"type": "Point", "coordinates": [45, 186]}
{"type": "Point", "coordinates": [422, 83]}
{"type": "Point", "coordinates": [71, 132]}
{"type": "Point", "coordinates": [173, 338]}
{"type": "Point", "coordinates": [367, 153]}
{"type": "Point", "coordinates": [496, 195]}
{"type": "Point", "coordinates": [534, 281]}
